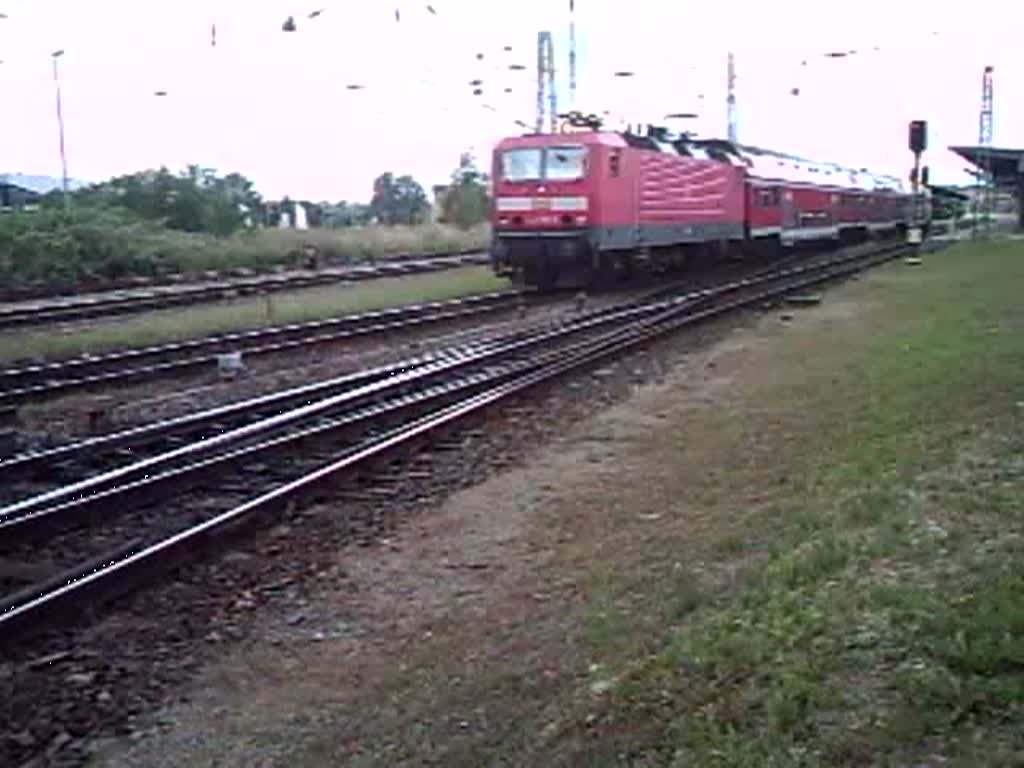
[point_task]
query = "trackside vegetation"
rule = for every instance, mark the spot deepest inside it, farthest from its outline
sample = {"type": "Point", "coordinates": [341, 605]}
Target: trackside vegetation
{"type": "Point", "coordinates": [88, 244]}
{"type": "Point", "coordinates": [874, 613]}
{"type": "Point", "coordinates": [156, 223]}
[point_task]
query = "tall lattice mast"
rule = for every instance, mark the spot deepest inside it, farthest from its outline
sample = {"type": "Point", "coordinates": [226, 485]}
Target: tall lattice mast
{"type": "Point", "coordinates": [731, 117]}
{"type": "Point", "coordinates": [572, 54]}
{"type": "Point", "coordinates": [546, 80]}
{"type": "Point", "coordinates": [985, 196]}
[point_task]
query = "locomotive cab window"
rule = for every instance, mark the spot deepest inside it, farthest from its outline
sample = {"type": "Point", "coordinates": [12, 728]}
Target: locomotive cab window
{"type": "Point", "coordinates": [615, 163]}
{"type": "Point", "coordinates": [522, 164]}
{"type": "Point", "coordinates": [565, 163]}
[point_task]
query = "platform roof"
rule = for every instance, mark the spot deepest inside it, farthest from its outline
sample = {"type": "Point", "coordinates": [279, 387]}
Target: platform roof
{"type": "Point", "coordinates": [948, 192]}
{"type": "Point", "coordinates": [1004, 161]}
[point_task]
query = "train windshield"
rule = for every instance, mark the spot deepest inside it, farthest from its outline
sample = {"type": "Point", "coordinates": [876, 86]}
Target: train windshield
{"type": "Point", "coordinates": [565, 163]}
{"type": "Point", "coordinates": [548, 164]}
{"type": "Point", "coordinates": [522, 165]}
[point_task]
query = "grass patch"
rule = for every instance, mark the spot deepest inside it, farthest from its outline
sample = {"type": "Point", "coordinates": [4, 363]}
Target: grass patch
{"type": "Point", "coordinates": [371, 242]}
{"type": "Point", "coordinates": [75, 250]}
{"type": "Point", "coordinates": [885, 623]}
{"type": "Point", "coordinates": [273, 309]}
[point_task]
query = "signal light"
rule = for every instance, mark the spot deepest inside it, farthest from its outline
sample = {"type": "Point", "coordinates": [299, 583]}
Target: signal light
{"type": "Point", "coordinates": [918, 136]}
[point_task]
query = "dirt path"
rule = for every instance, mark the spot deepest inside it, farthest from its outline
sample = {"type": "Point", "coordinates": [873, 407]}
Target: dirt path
{"type": "Point", "coordinates": [476, 636]}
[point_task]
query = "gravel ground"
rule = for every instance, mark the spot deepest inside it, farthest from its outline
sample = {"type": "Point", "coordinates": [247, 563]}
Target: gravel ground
{"type": "Point", "coordinates": [73, 689]}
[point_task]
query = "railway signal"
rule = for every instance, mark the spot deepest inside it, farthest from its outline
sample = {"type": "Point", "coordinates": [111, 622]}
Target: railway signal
{"type": "Point", "coordinates": [918, 136]}
{"type": "Point", "coordinates": [918, 142]}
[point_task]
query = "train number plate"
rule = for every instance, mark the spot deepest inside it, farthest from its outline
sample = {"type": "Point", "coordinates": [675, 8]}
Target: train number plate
{"type": "Point", "coordinates": [542, 203]}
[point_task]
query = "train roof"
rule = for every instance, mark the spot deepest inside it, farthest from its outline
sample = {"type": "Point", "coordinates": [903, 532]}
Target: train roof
{"type": "Point", "coordinates": [609, 138]}
{"type": "Point", "coordinates": [771, 164]}
{"type": "Point", "coordinates": [759, 162]}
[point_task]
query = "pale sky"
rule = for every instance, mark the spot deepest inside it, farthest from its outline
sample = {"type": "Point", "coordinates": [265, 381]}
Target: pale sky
{"type": "Point", "coordinates": [274, 106]}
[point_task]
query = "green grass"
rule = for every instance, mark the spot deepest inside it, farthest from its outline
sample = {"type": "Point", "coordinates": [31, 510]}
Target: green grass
{"type": "Point", "coordinates": [883, 621]}
{"type": "Point", "coordinates": [63, 251]}
{"type": "Point", "coordinates": [274, 309]}
{"type": "Point", "coordinates": [362, 243]}
{"type": "Point", "coordinates": [267, 248]}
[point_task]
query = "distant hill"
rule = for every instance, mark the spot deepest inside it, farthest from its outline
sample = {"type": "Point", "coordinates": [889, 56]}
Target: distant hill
{"type": "Point", "coordinates": [38, 184]}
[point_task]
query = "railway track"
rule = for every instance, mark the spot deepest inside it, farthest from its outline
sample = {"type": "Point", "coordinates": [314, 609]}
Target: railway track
{"type": "Point", "coordinates": [110, 532]}
{"type": "Point", "coordinates": [79, 459]}
{"type": "Point", "coordinates": [36, 382]}
{"type": "Point", "coordinates": [40, 381]}
{"type": "Point", "coordinates": [70, 462]}
{"type": "Point", "coordinates": [24, 314]}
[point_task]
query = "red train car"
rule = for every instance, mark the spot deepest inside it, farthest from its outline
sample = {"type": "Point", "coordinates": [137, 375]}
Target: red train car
{"type": "Point", "coordinates": [597, 203]}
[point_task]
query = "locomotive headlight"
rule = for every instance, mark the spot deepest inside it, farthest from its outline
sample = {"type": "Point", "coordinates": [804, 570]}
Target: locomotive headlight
{"type": "Point", "coordinates": [581, 220]}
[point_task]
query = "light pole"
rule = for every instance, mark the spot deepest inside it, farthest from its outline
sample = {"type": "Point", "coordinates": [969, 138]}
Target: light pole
{"type": "Point", "coordinates": [60, 125]}
{"type": "Point", "coordinates": [161, 95]}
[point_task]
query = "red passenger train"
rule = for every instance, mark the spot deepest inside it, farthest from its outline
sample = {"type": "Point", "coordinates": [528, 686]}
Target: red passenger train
{"type": "Point", "coordinates": [599, 203]}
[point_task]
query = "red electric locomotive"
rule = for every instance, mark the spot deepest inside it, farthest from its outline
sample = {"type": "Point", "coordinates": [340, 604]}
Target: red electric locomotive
{"type": "Point", "coordinates": [590, 204]}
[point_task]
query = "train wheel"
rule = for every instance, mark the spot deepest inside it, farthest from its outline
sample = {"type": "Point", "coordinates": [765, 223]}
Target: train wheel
{"type": "Point", "coordinates": [543, 276]}
{"type": "Point", "coordinates": [628, 268]}
{"type": "Point", "coordinates": [682, 258]}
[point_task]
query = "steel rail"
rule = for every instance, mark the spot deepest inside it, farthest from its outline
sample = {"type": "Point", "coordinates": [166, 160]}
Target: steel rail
{"type": "Point", "coordinates": [39, 381]}
{"type": "Point", "coordinates": [42, 380]}
{"type": "Point", "coordinates": [349, 388]}
{"type": "Point", "coordinates": [122, 575]}
{"type": "Point", "coordinates": [214, 418]}
{"type": "Point", "coordinates": [84, 307]}
{"type": "Point", "coordinates": [275, 403]}
{"type": "Point", "coordinates": [379, 383]}
{"type": "Point", "coordinates": [20, 523]}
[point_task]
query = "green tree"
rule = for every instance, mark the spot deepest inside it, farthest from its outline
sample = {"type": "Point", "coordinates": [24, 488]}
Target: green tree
{"type": "Point", "coordinates": [344, 214]}
{"type": "Point", "coordinates": [466, 203]}
{"type": "Point", "coordinates": [196, 200]}
{"type": "Point", "coordinates": [314, 213]}
{"type": "Point", "coordinates": [398, 200]}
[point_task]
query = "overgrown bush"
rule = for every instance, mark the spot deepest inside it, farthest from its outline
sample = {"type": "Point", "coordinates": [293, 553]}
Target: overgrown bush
{"type": "Point", "coordinates": [91, 243]}
{"type": "Point", "coordinates": [354, 244]}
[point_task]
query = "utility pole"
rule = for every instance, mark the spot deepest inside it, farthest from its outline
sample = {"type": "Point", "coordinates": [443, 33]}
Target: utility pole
{"type": "Point", "coordinates": [984, 195]}
{"type": "Point", "coordinates": [572, 54]}
{"type": "Point", "coordinates": [60, 127]}
{"type": "Point", "coordinates": [546, 80]}
{"type": "Point", "coordinates": [733, 128]}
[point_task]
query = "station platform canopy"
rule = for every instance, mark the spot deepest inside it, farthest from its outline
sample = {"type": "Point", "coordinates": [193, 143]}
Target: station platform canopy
{"type": "Point", "coordinates": [948, 193]}
{"type": "Point", "coordinates": [1004, 163]}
